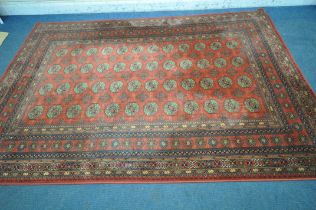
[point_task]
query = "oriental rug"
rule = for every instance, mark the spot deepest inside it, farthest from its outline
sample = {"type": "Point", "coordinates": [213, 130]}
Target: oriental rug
{"type": "Point", "coordinates": [175, 99]}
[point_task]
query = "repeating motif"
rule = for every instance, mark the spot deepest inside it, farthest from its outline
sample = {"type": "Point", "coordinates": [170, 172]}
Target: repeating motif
{"type": "Point", "coordinates": [135, 76]}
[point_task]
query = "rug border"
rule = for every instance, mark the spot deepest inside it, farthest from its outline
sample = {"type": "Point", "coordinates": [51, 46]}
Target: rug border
{"type": "Point", "coordinates": [4, 75]}
{"type": "Point", "coordinates": [161, 180]}
{"type": "Point", "coordinates": [288, 51]}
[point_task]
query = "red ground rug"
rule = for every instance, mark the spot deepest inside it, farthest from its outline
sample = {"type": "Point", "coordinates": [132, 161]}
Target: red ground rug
{"type": "Point", "coordinates": [177, 99]}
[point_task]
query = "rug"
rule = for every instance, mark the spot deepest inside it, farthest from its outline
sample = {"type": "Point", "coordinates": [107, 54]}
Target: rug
{"type": "Point", "coordinates": [173, 99]}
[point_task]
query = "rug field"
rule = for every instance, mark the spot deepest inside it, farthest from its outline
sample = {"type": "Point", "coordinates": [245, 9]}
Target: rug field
{"type": "Point", "coordinates": [174, 99]}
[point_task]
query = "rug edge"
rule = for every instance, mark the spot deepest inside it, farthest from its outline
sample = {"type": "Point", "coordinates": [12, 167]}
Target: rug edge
{"type": "Point", "coordinates": [258, 10]}
{"type": "Point", "coordinates": [288, 52]}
